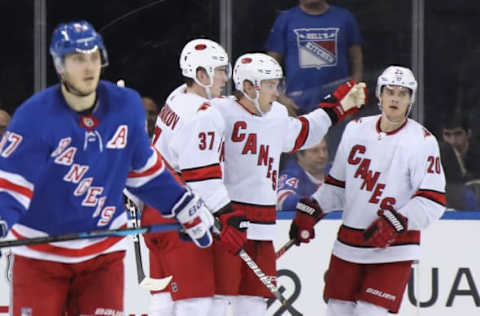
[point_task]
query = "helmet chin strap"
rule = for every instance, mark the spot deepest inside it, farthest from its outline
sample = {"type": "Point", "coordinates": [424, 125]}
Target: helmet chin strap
{"type": "Point", "coordinates": [206, 87]}
{"type": "Point", "coordinates": [255, 101]}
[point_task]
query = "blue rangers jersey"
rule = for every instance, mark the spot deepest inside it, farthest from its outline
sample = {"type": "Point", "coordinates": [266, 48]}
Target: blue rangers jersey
{"type": "Point", "coordinates": [294, 184]}
{"type": "Point", "coordinates": [63, 171]}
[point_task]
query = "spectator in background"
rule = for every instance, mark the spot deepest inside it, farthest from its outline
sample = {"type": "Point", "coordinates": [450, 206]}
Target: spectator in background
{"type": "Point", "coordinates": [302, 176]}
{"type": "Point", "coordinates": [460, 159]}
{"type": "Point", "coordinates": [320, 45]}
{"type": "Point", "coordinates": [151, 110]}
{"type": "Point", "coordinates": [4, 121]}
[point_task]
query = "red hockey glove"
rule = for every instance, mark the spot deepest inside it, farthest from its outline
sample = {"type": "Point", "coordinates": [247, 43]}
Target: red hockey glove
{"type": "Point", "coordinates": [233, 234]}
{"type": "Point", "coordinates": [346, 100]}
{"type": "Point", "coordinates": [307, 215]}
{"type": "Point", "coordinates": [385, 229]}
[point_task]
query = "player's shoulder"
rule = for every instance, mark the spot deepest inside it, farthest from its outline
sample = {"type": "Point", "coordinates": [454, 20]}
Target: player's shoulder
{"type": "Point", "coordinates": [187, 104]}
{"type": "Point", "coordinates": [361, 123]}
{"type": "Point", "coordinates": [223, 105]}
{"type": "Point", "coordinates": [116, 93]}
{"type": "Point", "coordinates": [41, 104]}
{"type": "Point", "coordinates": [278, 110]}
{"type": "Point", "coordinates": [418, 132]}
{"type": "Point", "coordinates": [176, 92]}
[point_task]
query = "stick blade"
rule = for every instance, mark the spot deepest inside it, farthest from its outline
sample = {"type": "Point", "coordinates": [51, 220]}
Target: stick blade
{"type": "Point", "coordinates": [155, 284]}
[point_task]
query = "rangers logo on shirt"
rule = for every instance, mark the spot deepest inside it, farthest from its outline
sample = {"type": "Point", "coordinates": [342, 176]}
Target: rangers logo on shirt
{"type": "Point", "coordinates": [317, 47]}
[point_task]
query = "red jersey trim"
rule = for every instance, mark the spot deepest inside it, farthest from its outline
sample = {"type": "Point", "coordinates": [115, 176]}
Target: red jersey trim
{"type": "Point", "coordinates": [93, 249]}
{"type": "Point", "coordinates": [437, 197]}
{"type": "Point", "coordinates": [392, 132]}
{"type": "Point", "coordinates": [258, 214]}
{"type": "Point", "coordinates": [332, 181]}
{"type": "Point", "coordinates": [245, 108]}
{"type": "Point", "coordinates": [10, 186]}
{"type": "Point", "coordinates": [157, 166]}
{"type": "Point", "coordinates": [354, 237]}
{"type": "Point", "coordinates": [202, 173]}
{"type": "Point", "coordinates": [302, 136]}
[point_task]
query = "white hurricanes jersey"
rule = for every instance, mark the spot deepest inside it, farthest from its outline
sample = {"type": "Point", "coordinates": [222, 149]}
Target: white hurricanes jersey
{"type": "Point", "coordinates": [180, 108]}
{"type": "Point", "coordinates": [252, 148]}
{"type": "Point", "coordinates": [373, 170]}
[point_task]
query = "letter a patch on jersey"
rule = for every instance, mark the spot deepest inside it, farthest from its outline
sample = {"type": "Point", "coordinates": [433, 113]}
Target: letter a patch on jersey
{"type": "Point", "coordinates": [119, 140]}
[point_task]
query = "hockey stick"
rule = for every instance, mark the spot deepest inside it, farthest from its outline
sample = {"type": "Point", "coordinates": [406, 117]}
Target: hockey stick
{"type": "Point", "coordinates": [284, 248]}
{"type": "Point", "coordinates": [288, 245]}
{"type": "Point", "coordinates": [145, 282]}
{"type": "Point", "coordinates": [260, 274]}
{"type": "Point", "coordinates": [119, 232]}
{"type": "Point", "coordinates": [266, 281]}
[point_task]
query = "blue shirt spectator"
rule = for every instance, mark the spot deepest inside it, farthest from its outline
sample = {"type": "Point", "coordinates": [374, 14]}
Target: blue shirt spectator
{"type": "Point", "coordinates": [320, 45]}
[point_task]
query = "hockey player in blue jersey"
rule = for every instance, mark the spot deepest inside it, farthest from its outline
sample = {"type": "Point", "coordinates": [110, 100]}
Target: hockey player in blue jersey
{"type": "Point", "coordinates": [302, 176]}
{"type": "Point", "coordinates": [64, 161]}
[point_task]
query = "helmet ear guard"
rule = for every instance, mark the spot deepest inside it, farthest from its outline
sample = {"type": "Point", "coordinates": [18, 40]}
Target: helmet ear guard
{"type": "Point", "coordinates": [75, 37]}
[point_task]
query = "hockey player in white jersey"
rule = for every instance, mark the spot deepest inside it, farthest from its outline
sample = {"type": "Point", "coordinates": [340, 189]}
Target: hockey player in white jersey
{"type": "Point", "coordinates": [65, 159]}
{"type": "Point", "coordinates": [388, 180]}
{"type": "Point", "coordinates": [206, 69]}
{"type": "Point", "coordinates": [255, 130]}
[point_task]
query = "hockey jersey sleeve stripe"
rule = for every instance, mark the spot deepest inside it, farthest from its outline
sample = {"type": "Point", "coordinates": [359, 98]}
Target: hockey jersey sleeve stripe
{"type": "Point", "coordinates": [435, 196]}
{"type": "Point", "coordinates": [332, 181]}
{"type": "Point", "coordinates": [202, 173]}
{"type": "Point", "coordinates": [92, 249]}
{"type": "Point", "coordinates": [302, 136]}
{"type": "Point", "coordinates": [282, 195]}
{"type": "Point", "coordinates": [260, 214]}
{"type": "Point", "coordinates": [152, 168]}
{"type": "Point", "coordinates": [17, 186]}
{"type": "Point", "coordinates": [354, 237]}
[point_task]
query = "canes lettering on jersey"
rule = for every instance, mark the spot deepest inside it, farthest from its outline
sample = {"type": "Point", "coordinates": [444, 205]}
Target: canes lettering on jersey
{"type": "Point", "coordinates": [370, 177]}
{"type": "Point", "coordinates": [250, 147]}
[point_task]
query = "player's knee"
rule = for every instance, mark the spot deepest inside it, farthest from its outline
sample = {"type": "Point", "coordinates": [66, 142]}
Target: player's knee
{"type": "Point", "coordinates": [194, 306]}
{"type": "Point", "coordinates": [244, 305]}
{"type": "Point", "coordinates": [369, 309]}
{"type": "Point", "coordinates": [340, 308]}
{"type": "Point", "coordinates": [161, 304]}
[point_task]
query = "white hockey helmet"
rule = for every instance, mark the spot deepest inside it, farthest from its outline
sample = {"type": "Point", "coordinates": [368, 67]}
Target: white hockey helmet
{"type": "Point", "coordinates": [203, 53]}
{"type": "Point", "coordinates": [255, 68]}
{"type": "Point", "coordinates": [397, 76]}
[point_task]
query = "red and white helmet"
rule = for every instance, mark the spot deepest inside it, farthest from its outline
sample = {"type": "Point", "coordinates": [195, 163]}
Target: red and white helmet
{"type": "Point", "coordinates": [397, 76]}
{"type": "Point", "coordinates": [203, 53]}
{"type": "Point", "coordinates": [255, 68]}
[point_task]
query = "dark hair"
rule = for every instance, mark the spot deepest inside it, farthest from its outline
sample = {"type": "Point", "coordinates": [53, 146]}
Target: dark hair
{"type": "Point", "coordinates": [456, 121]}
{"type": "Point", "coordinates": [190, 81]}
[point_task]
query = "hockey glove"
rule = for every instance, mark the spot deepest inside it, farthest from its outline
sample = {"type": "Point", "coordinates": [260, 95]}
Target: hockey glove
{"type": "Point", "coordinates": [233, 234]}
{"type": "Point", "coordinates": [195, 218]}
{"type": "Point", "coordinates": [307, 215]}
{"type": "Point", "coordinates": [346, 100]}
{"type": "Point", "coordinates": [385, 229]}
